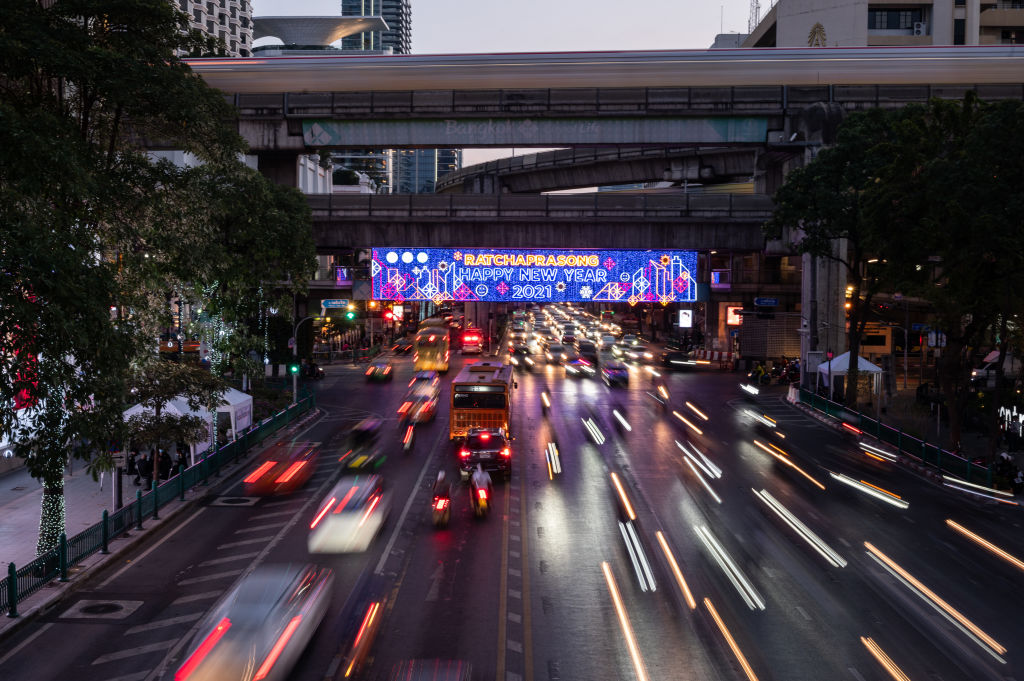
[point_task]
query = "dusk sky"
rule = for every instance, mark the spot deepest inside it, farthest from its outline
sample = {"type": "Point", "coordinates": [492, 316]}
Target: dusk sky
{"type": "Point", "coordinates": [440, 26]}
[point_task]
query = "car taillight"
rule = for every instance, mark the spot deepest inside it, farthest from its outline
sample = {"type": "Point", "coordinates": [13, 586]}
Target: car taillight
{"type": "Point", "coordinates": [464, 453]}
{"type": "Point", "coordinates": [506, 452]}
{"type": "Point", "coordinates": [203, 650]}
{"type": "Point", "coordinates": [369, 371]}
{"type": "Point", "coordinates": [258, 473]}
{"type": "Point", "coordinates": [321, 514]}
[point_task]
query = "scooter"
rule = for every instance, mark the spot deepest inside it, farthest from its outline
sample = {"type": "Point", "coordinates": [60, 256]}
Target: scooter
{"type": "Point", "coordinates": [480, 497]}
{"type": "Point", "coordinates": [545, 401]}
{"type": "Point", "coordinates": [441, 510]}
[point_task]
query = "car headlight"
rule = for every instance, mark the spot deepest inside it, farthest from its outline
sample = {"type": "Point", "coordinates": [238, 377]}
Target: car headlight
{"type": "Point", "coordinates": [648, 355]}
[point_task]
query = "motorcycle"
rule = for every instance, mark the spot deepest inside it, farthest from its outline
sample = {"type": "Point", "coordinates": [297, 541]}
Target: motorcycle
{"type": "Point", "coordinates": [441, 509]}
{"type": "Point", "coordinates": [314, 371]}
{"type": "Point", "coordinates": [545, 401]}
{"type": "Point", "coordinates": [480, 497]}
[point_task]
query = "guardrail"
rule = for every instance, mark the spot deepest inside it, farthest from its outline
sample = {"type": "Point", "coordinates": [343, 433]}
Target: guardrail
{"type": "Point", "coordinates": [926, 453]}
{"type": "Point", "coordinates": [22, 582]}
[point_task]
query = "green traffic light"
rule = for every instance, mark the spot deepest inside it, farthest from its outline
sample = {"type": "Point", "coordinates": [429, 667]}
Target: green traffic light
{"type": "Point", "coordinates": [294, 368]}
{"type": "Point", "coordinates": [350, 315]}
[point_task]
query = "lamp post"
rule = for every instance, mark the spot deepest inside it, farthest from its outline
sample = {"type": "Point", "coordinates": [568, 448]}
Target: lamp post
{"type": "Point", "coordinates": [295, 362]}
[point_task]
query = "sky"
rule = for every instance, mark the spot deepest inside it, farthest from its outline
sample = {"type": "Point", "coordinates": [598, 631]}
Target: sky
{"type": "Point", "coordinates": [460, 26]}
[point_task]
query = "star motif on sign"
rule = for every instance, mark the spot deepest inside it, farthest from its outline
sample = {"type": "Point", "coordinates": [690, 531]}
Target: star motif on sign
{"type": "Point", "coordinates": [438, 299]}
{"type": "Point", "coordinates": [502, 288]}
{"type": "Point", "coordinates": [415, 270]}
{"type": "Point", "coordinates": [664, 260]}
{"type": "Point", "coordinates": [442, 266]}
{"type": "Point", "coordinates": [560, 286]}
{"type": "Point", "coordinates": [608, 263]}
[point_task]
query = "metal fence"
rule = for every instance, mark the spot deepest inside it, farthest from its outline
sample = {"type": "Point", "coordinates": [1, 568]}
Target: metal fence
{"type": "Point", "coordinates": [923, 451]}
{"type": "Point", "coordinates": [21, 583]}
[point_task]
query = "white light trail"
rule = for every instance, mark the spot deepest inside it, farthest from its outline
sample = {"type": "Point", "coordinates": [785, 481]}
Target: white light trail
{"type": "Point", "coordinates": [739, 580]}
{"type": "Point", "coordinates": [868, 488]}
{"type": "Point", "coordinates": [622, 420]}
{"type": "Point", "coordinates": [641, 565]}
{"type": "Point", "coordinates": [809, 536]}
{"type": "Point", "coordinates": [700, 477]}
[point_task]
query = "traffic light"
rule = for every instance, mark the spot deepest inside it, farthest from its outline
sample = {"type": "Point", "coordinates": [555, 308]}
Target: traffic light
{"type": "Point", "coordinates": [389, 315]}
{"type": "Point", "coordinates": [351, 314]}
{"type": "Point", "coordinates": [293, 368]}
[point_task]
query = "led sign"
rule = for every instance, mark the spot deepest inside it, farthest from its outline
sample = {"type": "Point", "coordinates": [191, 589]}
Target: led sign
{"type": "Point", "coordinates": [504, 275]}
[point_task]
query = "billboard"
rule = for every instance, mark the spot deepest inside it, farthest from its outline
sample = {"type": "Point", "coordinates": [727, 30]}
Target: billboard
{"type": "Point", "coordinates": [543, 275]}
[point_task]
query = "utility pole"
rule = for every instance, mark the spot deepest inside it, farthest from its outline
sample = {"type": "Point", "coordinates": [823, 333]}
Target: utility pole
{"type": "Point", "coordinates": [295, 361]}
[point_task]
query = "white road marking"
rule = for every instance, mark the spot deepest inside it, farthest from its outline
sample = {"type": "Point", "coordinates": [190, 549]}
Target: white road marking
{"type": "Point", "coordinates": [133, 652]}
{"type": "Point", "coordinates": [169, 622]}
{"type": "Point", "coordinates": [804, 613]}
{"type": "Point", "coordinates": [14, 651]}
{"type": "Point", "coordinates": [514, 645]}
{"type": "Point", "coordinates": [246, 542]}
{"type": "Point", "coordinates": [844, 542]}
{"type": "Point", "coordinates": [515, 593]}
{"type": "Point", "coordinates": [856, 674]}
{"type": "Point", "coordinates": [259, 528]}
{"type": "Point", "coordinates": [515, 573]}
{"type": "Point", "coordinates": [205, 596]}
{"type": "Point", "coordinates": [229, 559]}
{"type": "Point", "coordinates": [275, 514]}
{"type": "Point", "coordinates": [210, 578]}
{"type": "Point", "coordinates": [151, 549]}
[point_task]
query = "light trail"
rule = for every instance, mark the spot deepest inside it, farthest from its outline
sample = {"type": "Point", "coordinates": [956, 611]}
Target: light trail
{"type": "Point", "coordinates": [739, 580]}
{"type": "Point", "coordinates": [688, 423]}
{"type": "Point", "coordinates": [1016, 562]}
{"type": "Point", "coordinates": [642, 567]}
{"type": "Point", "coordinates": [627, 630]}
{"type": "Point", "coordinates": [622, 495]}
{"type": "Point", "coordinates": [872, 490]}
{"type": "Point", "coordinates": [786, 460]}
{"type": "Point", "coordinates": [713, 470]}
{"type": "Point", "coordinates": [622, 419]}
{"type": "Point", "coordinates": [810, 537]}
{"type": "Point", "coordinates": [697, 411]}
{"type": "Point", "coordinates": [883, 659]}
{"type": "Point", "coordinates": [702, 480]}
{"type": "Point", "coordinates": [740, 657]}
{"type": "Point", "coordinates": [676, 572]}
{"type": "Point", "coordinates": [952, 614]}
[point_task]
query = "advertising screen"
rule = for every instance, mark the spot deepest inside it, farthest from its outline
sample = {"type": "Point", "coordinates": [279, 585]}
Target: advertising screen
{"type": "Point", "coordinates": [506, 275]}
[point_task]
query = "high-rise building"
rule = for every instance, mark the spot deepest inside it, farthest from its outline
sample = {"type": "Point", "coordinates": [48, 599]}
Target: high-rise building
{"type": "Point", "coordinates": [416, 171]}
{"type": "Point", "coordinates": [398, 15]}
{"type": "Point", "coordinates": [229, 20]}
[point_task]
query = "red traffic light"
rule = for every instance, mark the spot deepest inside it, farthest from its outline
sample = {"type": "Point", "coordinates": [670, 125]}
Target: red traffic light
{"type": "Point", "coordinates": [389, 315]}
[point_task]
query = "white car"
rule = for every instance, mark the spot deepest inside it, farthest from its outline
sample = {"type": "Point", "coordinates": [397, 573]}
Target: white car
{"type": "Point", "coordinates": [350, 517]}
{"type": "Point", "coordinates": [607, 342]}
{"type": "Point", "coordinates": [260, 626]}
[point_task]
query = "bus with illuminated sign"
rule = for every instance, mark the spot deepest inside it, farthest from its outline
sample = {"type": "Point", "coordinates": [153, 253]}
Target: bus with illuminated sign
{"type": "Point", "coordinates": [431, 349]}
{"type": "Point", "coordinates": [481, 398]}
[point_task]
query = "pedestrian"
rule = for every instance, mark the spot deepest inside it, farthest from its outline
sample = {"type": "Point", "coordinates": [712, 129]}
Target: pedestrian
{"type": "Point", "coordinates": [1018, 482]}
{"type": "Point", "coordinates": [145, 466]}
{"type": "Point", "coordinates": [133, 457]}
{"type": "Point", "coordinates": [164, 467]}
{"type": "Point", "coordinates": [179, 463]}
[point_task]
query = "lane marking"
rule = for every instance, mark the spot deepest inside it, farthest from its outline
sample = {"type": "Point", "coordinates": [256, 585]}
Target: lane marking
{"type": "Point", "coordinates": [229, 559]}
{"type": "Point", "coordinates": [206, 595]}
{"type": "Point", "coordinates": [527, 625]}
{"type": "Point", "coordinates": [243, 543]}
{"type": "Point", "coordinates": [275, 514]}
{"type": "Point", "coordinates": [133, 652]}
{"type": "Point", "coordinates": [259, 528]}
{"type": "Point", "coordinates": [503, 593]}
{"type": "Point", "coordinates": [16, 649]}
{"type": "Point", "coordinates": [150, 550]}
{"type": "Point", "coordinates": [210, 578]}
{"type": "Point", "coordinates": [169, 622]}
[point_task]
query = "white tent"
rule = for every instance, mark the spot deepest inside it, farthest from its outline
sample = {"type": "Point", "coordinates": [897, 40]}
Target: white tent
{"type": "Point", "coordinates": [179, 406]}
{"type": "Point", "coordinates": [238, 406]}
{"type": "Point", "coordinates": [840, 366]}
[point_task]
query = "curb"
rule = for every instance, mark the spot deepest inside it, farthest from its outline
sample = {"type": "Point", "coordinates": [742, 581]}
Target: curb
{"type": "Point", "coordinates": [83, 574]}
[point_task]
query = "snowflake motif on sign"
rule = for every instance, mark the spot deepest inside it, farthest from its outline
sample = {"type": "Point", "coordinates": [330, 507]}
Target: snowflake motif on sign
{"type": "Point", "coordinates": [614, 291]}
{"type": "Point", "coordinates": [442, 266]}
{"type": "Point", "coordinates": [680, 284]}
{"type": "Point", "coordinates": [398, 298]}
{"type": "Point", "coordinates": [608, 263]}
{"type": "Point", "coordinates": [665, 300]}
{"type": "Point", "coordinates": [585, 292]}
{"type": "Point", "coordinates": [457, 255]}
{"type": "Point", "coordinates": [560, 286]}
{"type": "Point", "coordinates": [502, 288]}
{"type": "Point", "coordinates": [415, 270]}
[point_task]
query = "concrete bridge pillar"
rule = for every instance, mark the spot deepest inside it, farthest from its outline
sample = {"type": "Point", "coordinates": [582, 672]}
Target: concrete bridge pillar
{"type": "Point", "coordinates": [280, 167]}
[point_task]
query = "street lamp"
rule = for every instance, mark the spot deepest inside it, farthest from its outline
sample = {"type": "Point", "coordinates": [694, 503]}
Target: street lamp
{"type": "Point", "coordinates": [295, 361]}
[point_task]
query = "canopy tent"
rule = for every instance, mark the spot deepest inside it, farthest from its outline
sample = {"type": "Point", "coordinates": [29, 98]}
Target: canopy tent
{"type": "Point", "coordinates": [840, 366]}
{"type": "Point", "coordinates": [179, 407]}
{"type": "Point", "coordinates": [238, 406]}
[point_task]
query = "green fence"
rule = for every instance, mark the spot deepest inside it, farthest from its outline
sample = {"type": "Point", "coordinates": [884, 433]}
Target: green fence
{"type": "Point", "coordinates": [908, 445]}
{"type": "Point", "coordinates": [21, 583]}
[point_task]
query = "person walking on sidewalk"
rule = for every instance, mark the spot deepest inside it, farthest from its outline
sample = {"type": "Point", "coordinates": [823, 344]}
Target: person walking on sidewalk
{"type": "Point", "coordinates": [145, 466]}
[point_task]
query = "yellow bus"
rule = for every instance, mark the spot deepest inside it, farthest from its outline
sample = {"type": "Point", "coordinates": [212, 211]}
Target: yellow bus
{"type": "Point", "coordinates": [432, 349]}
{"type": "Point", "coordinates": [481, 398]}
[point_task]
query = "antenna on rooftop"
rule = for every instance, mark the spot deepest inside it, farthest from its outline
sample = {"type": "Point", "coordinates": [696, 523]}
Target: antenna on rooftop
{"type": "Point", "coordinates": [755, 15]}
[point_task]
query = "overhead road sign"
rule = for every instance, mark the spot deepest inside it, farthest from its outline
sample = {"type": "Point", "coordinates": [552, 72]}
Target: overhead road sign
{"type": "Point", "coordinates": [766, 302]}
{"type": "Point", "coordinates": [335, 302]}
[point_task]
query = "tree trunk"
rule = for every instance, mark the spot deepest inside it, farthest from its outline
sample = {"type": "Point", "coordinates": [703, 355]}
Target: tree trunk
{"type": "Point", "coordinates": [949, 377]}
{"type": "Point", "coordinates": [51, 514]}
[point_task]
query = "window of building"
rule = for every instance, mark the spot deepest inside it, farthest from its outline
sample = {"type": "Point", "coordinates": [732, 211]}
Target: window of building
{"type": "Point", "coordinates": [960, 3]}
{"type": "Point", "coordinates": [197, 16]}
{"type": "Point", "coordinates": [959, 31]}
{"type": "Point", "coordinates": [183, 4]}
{"type": "Point", "coordinates": [893, 19]}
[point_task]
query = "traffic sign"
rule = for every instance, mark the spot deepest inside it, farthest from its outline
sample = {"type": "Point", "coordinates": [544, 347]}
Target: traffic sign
{"type": "Point", "coordinates": [334, 302]}
{"type": "Point", "coordinates": [918, 326]}
{"type": "Point", "coordinates": [766, 302]}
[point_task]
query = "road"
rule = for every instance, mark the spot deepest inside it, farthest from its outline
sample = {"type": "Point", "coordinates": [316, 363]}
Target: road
{"type": "Point", "coordinates": [526, 593]}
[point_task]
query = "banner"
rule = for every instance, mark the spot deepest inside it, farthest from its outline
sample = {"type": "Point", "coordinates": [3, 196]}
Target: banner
{"type": "Point", "coordinates": [510, 275]}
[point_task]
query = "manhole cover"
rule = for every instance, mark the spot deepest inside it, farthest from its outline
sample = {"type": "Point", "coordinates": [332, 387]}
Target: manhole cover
{"type": "Point", "coordinates": [113, 610]}
{"type": "Point", "coordinates": [101, 608]}
{"type": "Point", "coordinates": [234, 501]}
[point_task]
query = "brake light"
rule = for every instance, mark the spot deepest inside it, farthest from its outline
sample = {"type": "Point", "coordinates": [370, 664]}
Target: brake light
{"type": "Point", "coordinates": [196, 658]}
{"type": "Point", "coordinates": [369, 371]}
{"type": "Point", "coordinates": [344, 500]}
{"type": "Point", "coordinates": [405, 407]}
{"type": "Point", "coordinates": [464, 453]}
{"type": "Point", "coordinates": [290, 473]}
{"type": "Point", "coordinates": [506, 452]}
{"type": "Point", "coordinates": [485, 436]}
{"type": "Point", "coordinates": [408, 435]}
{"type": "Point", "coordinates": [275, 652]}
{"type": "Point", "coordinates": [322, 513]}
{"type": "Point", "coordinates": [373, 505]}
{"type": "Point", "coordinates": [387, 370]}
{"type": "Point", "coordinates": [441, 504]}
{"type": "Point", "coordinates": [258, 473]}
{"type": "Point", "coordinates": [482, 493]}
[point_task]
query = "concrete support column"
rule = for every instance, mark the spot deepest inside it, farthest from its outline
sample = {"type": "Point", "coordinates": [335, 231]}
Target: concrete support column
{"type": "Point", "coordinates": [280, 167]}
{"type": "Point", "coordinates": [973, 28]}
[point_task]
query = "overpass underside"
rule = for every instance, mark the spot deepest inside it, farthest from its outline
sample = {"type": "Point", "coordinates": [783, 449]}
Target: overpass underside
{"type": "Point", "coordinates": [648, 221]}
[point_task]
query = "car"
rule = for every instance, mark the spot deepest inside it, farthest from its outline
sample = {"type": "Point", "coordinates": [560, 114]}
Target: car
{"type": "Point", "coordinates": [579, 367]}
{"type": "Point", "coordinates": [615, 373]}
{"type": "Point", "coordinates": [587, 350]}
{"type": "Point", "coordinates": [607, 342]}
{"type": "Point", "coordinates": [362, 450]}
{"type": "Point", "coordinates": [258, 629]}
{"type": "Point", "coordinates": [519, 348]}
{"type": "Point", "coordinates": [282, 469]}
{"type": "Point", "coordinates": [639, 353]}
{"type": "Point", "coordinates": [488, 447]}
{"type": "Point", "coordinates": [350, 516]}
{"type": "Point", "coordinates": [677, 360]}
{"type": "Point", "coordinates": [403, 346]}
{"type": "Point", "coordinates": [629, 339]}
{"type": "Point", "coordinates": [428, 382]}
{"type": "Point", "coordinates": [555, 353]}
{"type": "Point", "coordinates": [380, 371]}
{"type": "Point", "coordinates": [418, 408]}
{"type": "Point", "coordinates": [568, 339]}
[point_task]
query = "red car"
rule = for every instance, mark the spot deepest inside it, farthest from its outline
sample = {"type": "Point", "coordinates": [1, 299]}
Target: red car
{"type": "Point", "coordinates": [282, 469]}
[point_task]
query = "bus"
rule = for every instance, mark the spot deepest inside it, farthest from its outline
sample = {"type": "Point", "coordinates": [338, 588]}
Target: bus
{"type": "Point", "coordinates": [481, 398]}
{"type": "Point", "coordinates": [431, 348]}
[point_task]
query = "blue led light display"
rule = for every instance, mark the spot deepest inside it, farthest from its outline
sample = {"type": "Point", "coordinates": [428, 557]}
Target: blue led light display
{"type": "Point", "coordinates": [509, 275]}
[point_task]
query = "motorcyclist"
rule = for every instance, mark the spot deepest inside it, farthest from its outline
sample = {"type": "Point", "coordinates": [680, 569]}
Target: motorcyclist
{"type": "Point", "coordinates": [481, 479]}
{"type": "Point", "coordinates": [441, 487]}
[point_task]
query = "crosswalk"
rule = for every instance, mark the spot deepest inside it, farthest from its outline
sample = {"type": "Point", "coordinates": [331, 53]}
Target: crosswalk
{"type": "Point", "coordinates": [776, 407]}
